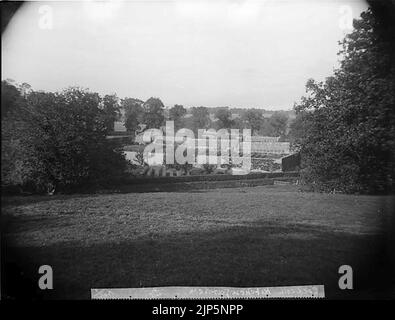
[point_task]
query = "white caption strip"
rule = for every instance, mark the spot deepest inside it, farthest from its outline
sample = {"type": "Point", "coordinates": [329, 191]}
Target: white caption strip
{"type": "Point", "coordinates": [312, 291]}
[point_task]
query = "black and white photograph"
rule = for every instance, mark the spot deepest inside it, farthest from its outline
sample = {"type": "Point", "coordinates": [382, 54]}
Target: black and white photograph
{"type": "Point", "coordinates": [225, 150]}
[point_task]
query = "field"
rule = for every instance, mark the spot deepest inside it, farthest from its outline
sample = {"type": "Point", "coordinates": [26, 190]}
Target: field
{"type": "Point", "coordinates": [251, 236]}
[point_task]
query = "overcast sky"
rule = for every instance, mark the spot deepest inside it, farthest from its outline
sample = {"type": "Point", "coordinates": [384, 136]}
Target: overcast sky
{"type": "Point", "coordinates": [214, 53]}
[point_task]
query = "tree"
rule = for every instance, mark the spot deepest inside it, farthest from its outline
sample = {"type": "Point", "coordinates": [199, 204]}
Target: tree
{"type": "Point", "coordinates": [345, 126]}
{"type": "Point", "coordinates": [62, 142]}
{"type": "Point", "coordinates": [200, 118]}
{"type": "Point", "coordinates": [278, 121]}
{"type": "Point", "coordinates": [254, 120]}
{"type": "Point", "coordinates": [111, 111]}
{"type": "Point", "coordinates": [238, 123]}
{"type": "Point", "coordinates": [11, 99]}
{"type": "Point", "coordinates": [176, 114]}
{"type": "Point", "coordinates": [224, 117]}
{"type": "Point", "coordinates": [25, 89]}
{"type": "Point", "coordinates": [153, 115]}
{"type": "Point", "coordinates": [12, 111]}
{"type": "Point", "coordinates": [133, 113]}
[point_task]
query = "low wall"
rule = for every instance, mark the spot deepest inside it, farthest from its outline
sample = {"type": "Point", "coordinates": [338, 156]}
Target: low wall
{"type": "Point", "coordinates": [168, 184]}
{"type": "Point", "coordinates": [182, 186]}
{"type": "Point", "coordinates": [207, 177]}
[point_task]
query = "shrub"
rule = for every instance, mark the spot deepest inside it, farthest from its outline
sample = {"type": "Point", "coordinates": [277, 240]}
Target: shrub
{"type": "Point", "coordinates": [60, 140]}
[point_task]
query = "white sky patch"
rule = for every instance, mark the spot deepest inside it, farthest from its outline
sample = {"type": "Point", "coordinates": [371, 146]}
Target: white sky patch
{"type": "Point", "coordinates": [211, 53]}
{"type": "Point", "coordinates": [244, 12]}
{"type": "Point", "coordinates": [101, 11]}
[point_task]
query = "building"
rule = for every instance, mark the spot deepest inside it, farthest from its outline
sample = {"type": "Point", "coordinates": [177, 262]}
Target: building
{"type": "Point", "coordinates": [119, 126]}
{"type": "Point", "coordinates": [269, 145]}
{"type": "Point", "coordinates": [260, 139]}
{"type": "Point", "coordinates": [291, 162]}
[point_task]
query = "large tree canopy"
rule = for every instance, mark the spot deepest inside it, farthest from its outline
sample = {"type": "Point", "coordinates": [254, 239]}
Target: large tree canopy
{"type": "Point", "coordinates": [153, 113]}
{"type": "Point", "coordinates": [345, 126]}
{"type": "Point", "coordinates": [11, 99]}
{"type": "Point", "coordinates": [200, 118]}
{"type": "Point", "coordinates": [254, 120]}
{"type": "Point", "coordinates": [224, 116]}
{"type": "Point", "coordinates": [176, 114]}
{"type": "Point", "coordinates": [278, 123]}
{"type": "Point", "coordinates": [133, 113]}
{"type": "Point", "coordinates": [58, 139]}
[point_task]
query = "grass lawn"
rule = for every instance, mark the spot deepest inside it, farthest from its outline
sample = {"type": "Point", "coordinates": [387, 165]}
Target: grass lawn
{"type": "Point", "coordinates": [251, 236]}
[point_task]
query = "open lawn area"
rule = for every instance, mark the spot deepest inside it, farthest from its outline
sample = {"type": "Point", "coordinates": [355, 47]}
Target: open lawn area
{"type": "Point", "coordinates": [251, 236]}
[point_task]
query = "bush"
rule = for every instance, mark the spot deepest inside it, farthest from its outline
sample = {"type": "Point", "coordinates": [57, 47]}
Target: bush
{"type": "Point", "coordinates": [209, 168]}
{"type": "Point", "coordinates": [59, 140]}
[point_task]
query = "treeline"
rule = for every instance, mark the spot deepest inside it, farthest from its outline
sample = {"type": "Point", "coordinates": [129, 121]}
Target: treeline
{"type": "Point", "coordinates": [56, 141]}
{"type": "Point", "coordinates": [345, 126]}
{"type": "Point", "coordinates": [152, 113]}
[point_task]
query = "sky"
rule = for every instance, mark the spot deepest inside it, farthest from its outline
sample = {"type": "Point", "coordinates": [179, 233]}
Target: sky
{"type": "Point", "coordinates": [196, 53]}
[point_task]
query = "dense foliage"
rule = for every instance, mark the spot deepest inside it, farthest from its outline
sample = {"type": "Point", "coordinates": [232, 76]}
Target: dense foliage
{"type": "Point", "coordinates": [345, 126]}
{"type": "Point", "coordinates": [111, 110]}
{"type": "Point", "coordinates": [56, 140]}
{"type": "Point", "coordinates": [176, 114]}
{"type": "Point", "coordinates": [133, 113]}
{"type": "Point", "coordinates": [153, 115]}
